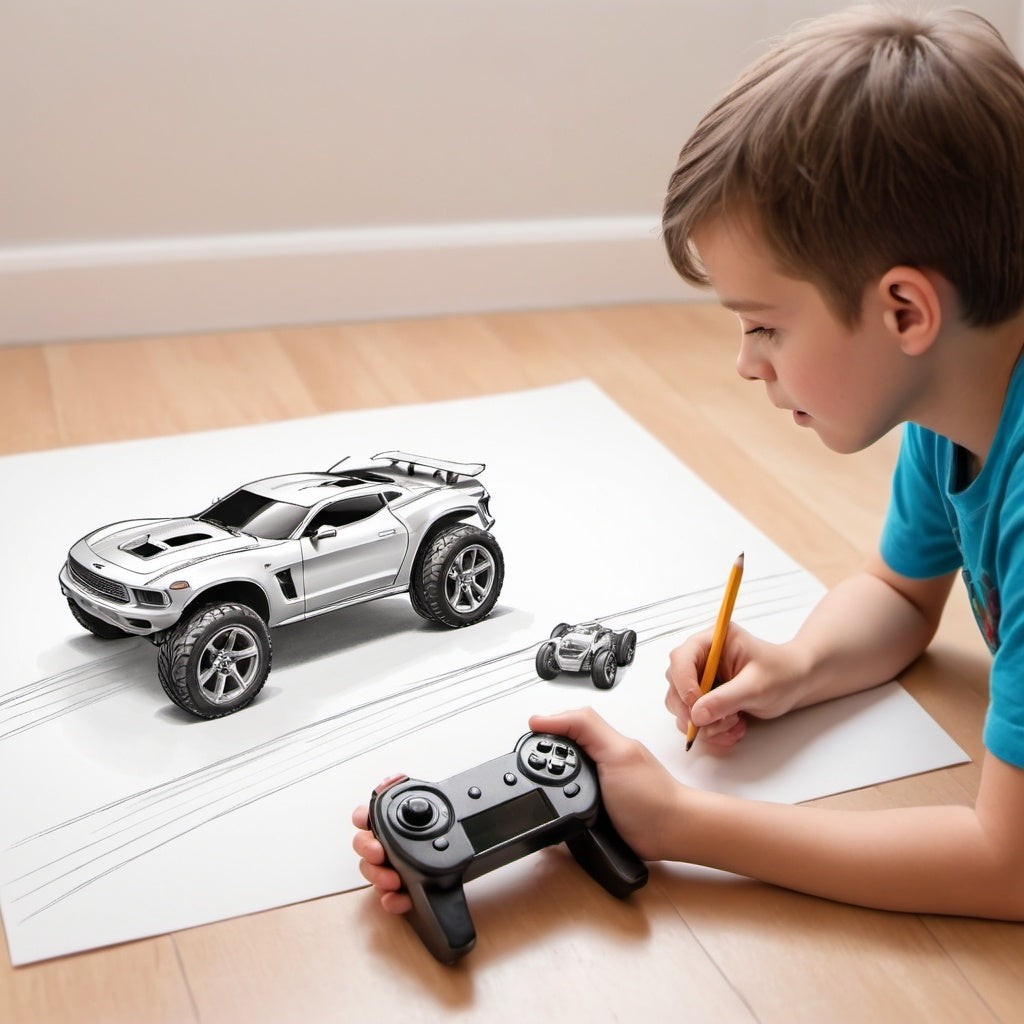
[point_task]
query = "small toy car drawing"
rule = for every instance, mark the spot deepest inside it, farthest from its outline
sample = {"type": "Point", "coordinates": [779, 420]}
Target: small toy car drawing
{"type": "Point", "coordinates": [206, 589]}
{"type": "Point", "coordinates": [588, 647]}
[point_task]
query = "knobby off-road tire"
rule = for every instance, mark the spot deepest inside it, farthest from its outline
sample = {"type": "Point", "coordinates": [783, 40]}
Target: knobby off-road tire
{"type": "Point", "coordinates": [215, 662]}
{"type": "Point", "coordinates": [604, 669]}
{"type": "Point", "coordinates": [104, 630]}
{"type": "Point", "coordinates": [625, 647]}
{"type": "Point", "coordinates": [458, 576]}
{"type": "Point", "coordinates": [545, 662]}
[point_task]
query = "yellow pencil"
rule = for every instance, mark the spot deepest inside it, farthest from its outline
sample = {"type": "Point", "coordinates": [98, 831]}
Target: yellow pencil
{"type": "Point", "coordinates": [718, 638]}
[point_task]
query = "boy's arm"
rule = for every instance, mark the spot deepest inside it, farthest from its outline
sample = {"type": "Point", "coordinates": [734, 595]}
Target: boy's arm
{"type": "Point", "coordinates": [867, 629]}
{"type": "Point", "coordinates": [943, 859]}
{"type": "Point", "coordinates": [862, 632]}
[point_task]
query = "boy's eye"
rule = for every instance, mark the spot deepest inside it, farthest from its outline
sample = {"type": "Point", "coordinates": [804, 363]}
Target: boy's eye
{"type": "Point", "coordinates": [768, 333]}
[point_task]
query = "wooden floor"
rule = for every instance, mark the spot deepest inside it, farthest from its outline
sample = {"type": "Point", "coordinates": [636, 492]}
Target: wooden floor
{"type": "Point", "coordinates": [692, 945]}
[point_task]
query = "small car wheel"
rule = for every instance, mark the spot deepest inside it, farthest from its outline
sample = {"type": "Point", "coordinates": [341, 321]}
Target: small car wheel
{"type": "Point", "coordinates": [547, 665]}
{"type": "Point", "coordinates": [458, 576]}
{"type": "Point", "coordinates": [215, 662]}
{"type": "Point", "coordinates": [560, 630]}
{"type": "Point", "coordinates": [625, 647]}
{"type": "Point", "coordinates": [604, 669]}
{"type": "Point", "coordinates": [96, 626]}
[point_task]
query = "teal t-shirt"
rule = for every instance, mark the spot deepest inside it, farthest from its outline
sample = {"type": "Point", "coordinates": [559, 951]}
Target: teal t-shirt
{"type": "Point", "coordinates": [934, 525]}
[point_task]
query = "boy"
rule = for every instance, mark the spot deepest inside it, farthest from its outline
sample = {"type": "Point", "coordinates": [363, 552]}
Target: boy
{"type": "Point", "coordinates": [857, 199]}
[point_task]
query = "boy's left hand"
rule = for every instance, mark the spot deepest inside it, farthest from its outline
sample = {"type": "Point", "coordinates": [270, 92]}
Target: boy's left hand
{"type": "Point", "coordinates": [373, 866]}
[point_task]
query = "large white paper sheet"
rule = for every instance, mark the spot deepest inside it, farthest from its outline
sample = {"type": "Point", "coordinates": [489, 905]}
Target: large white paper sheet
{"type": "Point", "coordinates": [121, 816]}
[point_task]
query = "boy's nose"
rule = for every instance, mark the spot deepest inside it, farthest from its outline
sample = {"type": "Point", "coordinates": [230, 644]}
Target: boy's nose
{"type": "Point", "coordinates": [750, 365]}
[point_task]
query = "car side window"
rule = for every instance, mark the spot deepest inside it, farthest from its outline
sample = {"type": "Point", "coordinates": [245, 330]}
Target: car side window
{"type": "Point", "coordinates": [346, 512]}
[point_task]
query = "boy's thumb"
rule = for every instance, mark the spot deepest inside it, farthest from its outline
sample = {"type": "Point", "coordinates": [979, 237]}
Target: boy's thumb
{"type": "Point", "coordinates": [712, 706]}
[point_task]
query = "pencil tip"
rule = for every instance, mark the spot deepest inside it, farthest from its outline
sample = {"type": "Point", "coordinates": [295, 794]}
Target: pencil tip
{"type": "Point", "coordinates": [689, 743]}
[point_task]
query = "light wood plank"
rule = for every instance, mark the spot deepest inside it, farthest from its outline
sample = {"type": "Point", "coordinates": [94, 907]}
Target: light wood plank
{"type": "Point", "coordinates": [129, 984]}
{"type": "Point", "coordinates": [28, 414]}
{"type": "Point", "coordinates": [547, 937]}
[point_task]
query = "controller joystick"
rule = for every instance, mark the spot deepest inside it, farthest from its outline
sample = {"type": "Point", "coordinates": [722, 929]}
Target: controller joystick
{"type": "Point", "coordinates": [438, 836]}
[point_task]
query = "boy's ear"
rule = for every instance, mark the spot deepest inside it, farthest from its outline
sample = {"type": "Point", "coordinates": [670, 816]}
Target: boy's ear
{"type": "Point", "coordinates": [911, 308]}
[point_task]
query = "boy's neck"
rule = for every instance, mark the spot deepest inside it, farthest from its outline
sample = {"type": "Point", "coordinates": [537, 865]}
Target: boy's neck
{"type": "Point", "coordinates": [969, 383]}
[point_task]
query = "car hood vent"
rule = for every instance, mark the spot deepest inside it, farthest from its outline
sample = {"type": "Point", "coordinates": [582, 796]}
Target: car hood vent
{"type": "Point", "coordinates": [147, 547]}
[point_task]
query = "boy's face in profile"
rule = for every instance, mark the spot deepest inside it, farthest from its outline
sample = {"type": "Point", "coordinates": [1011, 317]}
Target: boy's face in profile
{"type": "Point", "coordinates": [850, 385]}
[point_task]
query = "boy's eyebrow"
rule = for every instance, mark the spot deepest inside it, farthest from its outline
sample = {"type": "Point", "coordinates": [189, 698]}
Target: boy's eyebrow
{"type": "Point", "coordinates": [746, 305]}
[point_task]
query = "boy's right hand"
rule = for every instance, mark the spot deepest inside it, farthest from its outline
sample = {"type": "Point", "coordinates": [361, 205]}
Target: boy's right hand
{"type": "Point", "coordinates": [757, 680]}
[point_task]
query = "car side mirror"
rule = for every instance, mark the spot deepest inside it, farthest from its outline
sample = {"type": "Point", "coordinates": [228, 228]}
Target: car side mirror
{"type": "Point", "coordinates": [323, 533]}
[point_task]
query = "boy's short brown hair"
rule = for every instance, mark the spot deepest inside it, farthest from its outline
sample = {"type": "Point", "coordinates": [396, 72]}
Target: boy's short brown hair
{"type": "Point", "coordinates": [865, 140]}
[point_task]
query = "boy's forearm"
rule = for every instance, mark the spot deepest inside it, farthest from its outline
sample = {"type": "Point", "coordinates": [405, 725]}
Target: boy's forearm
{"type": "Point", "coordinates": [863, 632]}
{"type": "Point", "coordinates": [923, 859]}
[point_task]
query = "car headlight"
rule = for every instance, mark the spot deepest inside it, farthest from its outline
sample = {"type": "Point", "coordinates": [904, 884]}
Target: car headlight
{"type": "Point", "coordinates": [153, 598]}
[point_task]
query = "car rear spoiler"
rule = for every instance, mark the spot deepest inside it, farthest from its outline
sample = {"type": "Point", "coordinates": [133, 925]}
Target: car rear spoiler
{"type": "Point", "coordinates": [451, 470]}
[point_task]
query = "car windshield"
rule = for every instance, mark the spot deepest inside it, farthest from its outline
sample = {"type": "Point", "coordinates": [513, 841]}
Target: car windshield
{"type": "Point", "coordinates": [252, 513]}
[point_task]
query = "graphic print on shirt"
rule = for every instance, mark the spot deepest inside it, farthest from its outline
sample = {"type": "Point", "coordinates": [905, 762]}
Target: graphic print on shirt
{"type": "Point", "coordinates": [985, 604]}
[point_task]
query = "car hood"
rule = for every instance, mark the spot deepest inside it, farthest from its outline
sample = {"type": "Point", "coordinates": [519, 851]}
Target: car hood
{"type": "Point", "coordinates": [152, 546]}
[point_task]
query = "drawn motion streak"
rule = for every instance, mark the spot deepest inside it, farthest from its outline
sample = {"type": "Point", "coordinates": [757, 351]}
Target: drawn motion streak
{"type": "Point", "coordinates": [43, 869]}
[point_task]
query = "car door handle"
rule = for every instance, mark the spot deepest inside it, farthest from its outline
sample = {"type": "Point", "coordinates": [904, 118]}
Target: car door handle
{"type": "Point", "coordinates": [387, 533]}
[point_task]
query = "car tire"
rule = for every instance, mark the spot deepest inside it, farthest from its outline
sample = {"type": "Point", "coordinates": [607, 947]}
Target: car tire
{"type": "Point", "coordinates": [546, 663]}
{"type": "Point", "coordinates": [458, 576]}
{"type": "Point", "coordinates": [216, 661]}
{"type": "Point", "coordinates": [604, 669]}
{"type": "Point", "coordinates": [104, 630]}
{"type": "Point", "coordinates": [560, 630]}
{"type": "Point", "coordinates": [625, 647]}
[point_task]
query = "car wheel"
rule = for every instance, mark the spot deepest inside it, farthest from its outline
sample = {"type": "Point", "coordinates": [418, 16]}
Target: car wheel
{"type": "Point", "coordinates": [104, 630]}
{"type": "Point", "coordinates": [625, 647]}
{"type": "Point", "coordinates": [458, 576]}
{"type": "Point", "coordinates": [560, 630]}
{"type": "Point", "coordinates": [604, 669]}
{"type": "Point", "coordinates": [215, 662]}
{"type": "Point", "coordinates": [547, 664]}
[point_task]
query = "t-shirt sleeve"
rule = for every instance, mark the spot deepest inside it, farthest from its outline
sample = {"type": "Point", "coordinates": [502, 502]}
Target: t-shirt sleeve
{"type": "Point", "coordinates": [1004, 723]}
{"type": "Point", "coordinates": [918, 538]}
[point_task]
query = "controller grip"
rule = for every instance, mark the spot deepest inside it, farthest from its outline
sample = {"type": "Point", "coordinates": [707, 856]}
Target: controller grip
{"type": "Point", "coordinates": [607, 858]}
{"type": "Point", "coordinates": [440, 916]}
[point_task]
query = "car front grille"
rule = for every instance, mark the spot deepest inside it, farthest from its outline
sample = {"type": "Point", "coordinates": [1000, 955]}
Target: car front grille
{"type": "Point", "coordinates": [97, 584]}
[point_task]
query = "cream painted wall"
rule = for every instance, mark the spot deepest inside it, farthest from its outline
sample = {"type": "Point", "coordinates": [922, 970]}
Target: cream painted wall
{"type": "Point", "coordinates": [213, 163]}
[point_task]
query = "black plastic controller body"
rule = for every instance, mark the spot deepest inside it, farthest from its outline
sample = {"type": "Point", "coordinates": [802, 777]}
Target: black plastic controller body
{"type": "Point", "coordinates": [438, 835]}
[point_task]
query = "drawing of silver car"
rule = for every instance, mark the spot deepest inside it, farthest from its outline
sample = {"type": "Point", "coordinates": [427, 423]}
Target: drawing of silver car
{"type": "Point", "coordinates": [588, 647]}
{"type": "Point", "coordinates": [206, 589]}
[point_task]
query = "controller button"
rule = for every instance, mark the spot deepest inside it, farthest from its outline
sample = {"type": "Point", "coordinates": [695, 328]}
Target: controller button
{"type": "Point", "coordinates": [510, 779]}
{"type": "Point", "coordinates": [440, 843]}
{"type": "Point", "coordinates": [571, 790]}
{"type": "Point", "coordinates": [417, 812]}
{"type": "Point", "coordinates": [473, 792]}
{"type": "Point", "coordinates": [389, 782]}
{"type": "Point", "coordinates": [537, 762]}
{"type": "Point", "coordinates": [556, 767]}
{"type": "Point", "coordinates": [544, 746]}
{"type": "Point", "coordinates": [561, 750]}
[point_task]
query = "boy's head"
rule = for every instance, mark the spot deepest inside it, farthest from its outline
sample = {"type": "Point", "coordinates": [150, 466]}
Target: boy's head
{"type": "Point", "coordinates": [866, 140]}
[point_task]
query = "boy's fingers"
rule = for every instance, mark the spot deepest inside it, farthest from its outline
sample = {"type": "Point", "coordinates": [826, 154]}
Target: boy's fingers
{"type": "Point", "coordinates": [396, 902]}
{"type": "Point", "coordinates": [586, 727]}
{"type": "Point", "coordinates": [383, 879]}
{"type": "Point", "coordinates": [368, 848]}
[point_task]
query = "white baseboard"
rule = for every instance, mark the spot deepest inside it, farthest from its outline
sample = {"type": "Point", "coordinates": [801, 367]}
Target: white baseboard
{"type": "Point", "coordinates": [182, 285]}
